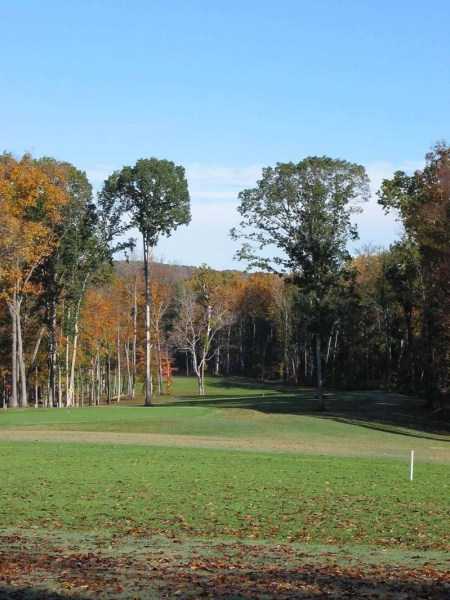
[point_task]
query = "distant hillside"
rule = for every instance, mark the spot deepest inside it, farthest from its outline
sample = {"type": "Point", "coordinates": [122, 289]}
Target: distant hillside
{"type": "Point", "coordinates": [172, 272]}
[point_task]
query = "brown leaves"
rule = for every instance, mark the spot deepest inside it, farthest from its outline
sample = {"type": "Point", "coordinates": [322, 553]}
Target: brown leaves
{"type": "Point", "coordinates": [175, 568]}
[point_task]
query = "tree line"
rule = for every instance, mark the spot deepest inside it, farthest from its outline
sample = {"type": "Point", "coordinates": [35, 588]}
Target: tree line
{"type": "Point", "coordinates": [79, 327]}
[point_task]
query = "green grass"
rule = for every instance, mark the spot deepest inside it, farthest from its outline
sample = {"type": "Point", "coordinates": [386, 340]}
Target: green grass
{"type": "Point", "coordinates": [245, 415]}
{"type": "Point", "coordinates": [213, 493]}
{"type": "Point", "coordinates": [249, 481]}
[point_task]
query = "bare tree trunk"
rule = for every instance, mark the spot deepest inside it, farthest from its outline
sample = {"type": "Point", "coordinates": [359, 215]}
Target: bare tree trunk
{"type": "Point", "coordinates": [36, 388]}
{"type": "Point", "coordinates": [82, 388]}
{"type": "Point", "coordinates": [67, 372]}
{"type": "Point", "coordinates": [319, 371]}
{"type": "Point", "coordinates": [99, 380]}
{"type": "Point", "coordinates": [71, 390]}
{"type": "Point", "coordinates": [59, 388]}
{"type": "Point", "coordinates": [119, 375]}
{"type": "Point", "coordinates": [227, 363]}
{"type": "Point", "coordinates": [133, 389]}
{"type": "Point", "coordinates": [129, 374]}
{"type": "Point", "coordinates": [217, 362]}
{"type": "Point", "coordinates": [21, 358]}
{"type": "Point", "coordinates": [92, 391]}
{"type": "Point", "coordinates": [241, 348]}
{"type": "Point", "coordinates": [205, 349]}
{"type": "Point", "coordinates": [148, 348]}
{"type": "Point", "coordinates": [285, 345]}
{"type": "Point", "coordinates": [36, 349]}
{"type": "Point", "coordinates": [330, 339]}
{"type": "Point", "coordinates": [14, 400]}
{"type": "Point", "coordinates": [108, 380]}
{"type": "Point", "coordinates": [199, 372]}
{"type": "Point", "coordinates": [52, 353]}
{"type": "Point", "coordinates": [160, 370]}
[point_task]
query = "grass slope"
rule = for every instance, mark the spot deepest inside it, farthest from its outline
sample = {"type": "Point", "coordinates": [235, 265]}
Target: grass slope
{"type": "Point", "coordinates": [323, 501]}
{"type": "Point", "coordinates": [244, 415]}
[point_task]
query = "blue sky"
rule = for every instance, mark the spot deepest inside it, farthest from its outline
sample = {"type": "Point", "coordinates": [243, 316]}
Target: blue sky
{"type": "Point", "coordinates": [225, 88]}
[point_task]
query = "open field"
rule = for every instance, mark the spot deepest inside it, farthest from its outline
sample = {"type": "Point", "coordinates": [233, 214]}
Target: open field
{"type": "Point", "coordinates": [247, 416]}
{"type": "Point", "coordinates": [255, 495]}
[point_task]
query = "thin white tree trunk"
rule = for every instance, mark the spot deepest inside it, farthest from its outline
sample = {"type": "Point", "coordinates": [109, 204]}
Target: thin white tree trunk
{"type": "Point", "coordinates": [319, 371]}
{"type": "Point", "coordinates": [119, 375]}
{"type": "Point", "coordinates": [59, 387]}
{"type": "Point", "coordinates": [129, 374]}
{"type": "Point", "coordinates": [148, 347]}
{"type": "Point", "coordinates": [14, 400]}
{"type": "Point", "coordinates": [133, 389]}
{"type": "Point", "coordinates": [21, 358]}
{"type": "Point", "coordinates": [71, 390]}
{"type": "Point", "coordinates": [36, 388]}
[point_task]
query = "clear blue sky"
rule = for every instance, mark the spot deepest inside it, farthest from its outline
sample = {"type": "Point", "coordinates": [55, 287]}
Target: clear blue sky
{"type": "Point", "coordinates": [225, 88]}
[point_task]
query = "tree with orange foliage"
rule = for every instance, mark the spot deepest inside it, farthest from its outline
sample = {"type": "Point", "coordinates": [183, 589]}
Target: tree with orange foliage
{"type": "Point", "coordinates": [31, 207]}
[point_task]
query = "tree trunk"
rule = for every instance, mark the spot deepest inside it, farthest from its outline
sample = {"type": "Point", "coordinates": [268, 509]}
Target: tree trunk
{"type": "Point", "coordinates": [119, 375]}
{"type": "Point", "coordinates": [160, 370]}
{"type": "Point", "coordinates": [59, 388]}
{"type": "Point", "coordinates": [14, 400]}
{"type": "Point", "coordinates": [52, 353]}
{"type": "Point", "coordinates": [36, 350]}
{"type": "Point", "coordinates": [36, 389]}
{"type": "Point", "coordinates": [108, 380]}
{"type": "Point", "coordinates": [129, 373]}
{"type": "Point", "coordinates": [134, 338]}
{"type": "Point", "coordinates": [217, 362]}
{"type": "Point", "coordinates": [21, 358]}
{"type": "Point", "coordinates": [71, 390]}
{"type": "Point", "coordinates": [148, 348]}
{"type": "Point", "coordinates": [241, 349]}
{"type": "Point", "coordinates": [227, 363]}
{"type": "Point", "coordinates": [319, 371]}
{"type": "Point", "coordinates": [201, 383]}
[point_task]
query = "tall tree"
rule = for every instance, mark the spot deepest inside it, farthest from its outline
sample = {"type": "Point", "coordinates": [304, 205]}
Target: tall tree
{"type": "Point", "coordinates": [155, 194]}
{"type": "Point", "coordinates": [423, 202]}
{"type": "Point", "coordinates": [32, 205]}
{"type": "Point", "coordinates": [304, 211]}
{"type": "Point", "coordinates": [83, 247]}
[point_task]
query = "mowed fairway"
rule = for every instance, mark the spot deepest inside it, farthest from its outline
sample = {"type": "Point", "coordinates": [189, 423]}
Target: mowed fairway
{"type": "Point", "coordinates": [248, 490]}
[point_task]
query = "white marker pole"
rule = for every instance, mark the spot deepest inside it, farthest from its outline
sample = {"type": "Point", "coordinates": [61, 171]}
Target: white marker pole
{"type": "Point", "coordinates": [411, 469]}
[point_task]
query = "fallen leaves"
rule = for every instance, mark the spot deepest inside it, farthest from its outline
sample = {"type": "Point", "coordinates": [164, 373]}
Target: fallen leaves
{"type": "Point", "coordinates": [188, 569]}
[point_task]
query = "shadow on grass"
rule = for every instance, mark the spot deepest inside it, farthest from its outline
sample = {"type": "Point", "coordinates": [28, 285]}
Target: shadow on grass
{"type": "Point", "coordinates": [309, 583]}
{"type": "Point", "coordinates": [271, 583]}
{"type": "Point", "coordinates": [8, 592]}
{"type": "Point", "coordinates": [382, 411]}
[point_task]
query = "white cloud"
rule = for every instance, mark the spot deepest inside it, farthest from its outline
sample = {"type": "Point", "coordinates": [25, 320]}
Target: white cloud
{"type": "Point", "coordinates": [214, 190]}
{"type": "Point", "coordinates": [374, 226]}
{"type": "Point", "coordinates": [218, 182]}
{"type": "Point", "coordinates": [206, 239]}
{"type": "Point", "coordinates": [98, 174]}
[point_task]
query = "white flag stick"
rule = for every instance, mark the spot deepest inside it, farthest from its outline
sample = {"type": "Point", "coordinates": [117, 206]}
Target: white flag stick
{"type": "Point", "coordinates": [411, 469]}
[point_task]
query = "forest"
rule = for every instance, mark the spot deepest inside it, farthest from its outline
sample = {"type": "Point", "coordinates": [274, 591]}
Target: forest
{"type": "Point", "coordinates": [86, 319]}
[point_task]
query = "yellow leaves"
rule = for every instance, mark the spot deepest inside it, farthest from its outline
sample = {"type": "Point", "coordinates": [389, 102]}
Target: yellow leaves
{"type": "Point", "coordinates": [259, 295]}
{"type": "Point", "coordinates": [100, 320]}
{"type": "Point", "coordinates": [31, 207]}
